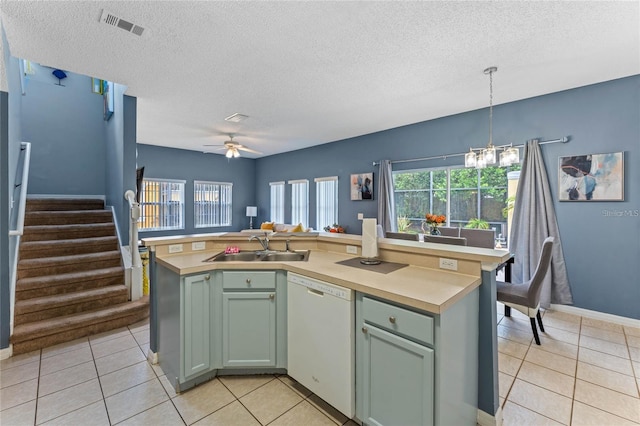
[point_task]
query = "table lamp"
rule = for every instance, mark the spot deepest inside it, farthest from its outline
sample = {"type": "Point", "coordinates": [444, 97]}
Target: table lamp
{"type": "Point", "coordinates": [252, 211]}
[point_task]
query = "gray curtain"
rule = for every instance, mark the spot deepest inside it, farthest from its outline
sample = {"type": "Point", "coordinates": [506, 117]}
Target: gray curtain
{"type": "Point", "coordinates": [534, 219]}
{"type": "Point", "coordinates": [386, 203]}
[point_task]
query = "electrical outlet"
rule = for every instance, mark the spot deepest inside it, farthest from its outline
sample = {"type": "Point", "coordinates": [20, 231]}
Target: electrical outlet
{"type": "Point", "coordinates": [352, 249]}
{"type": "Point", "coordinates": [450, 264]}
{"type": "Point", "coordinates": [360, 216]}
{"type": "Point", "coordinates": [175, 248]}
{"type": "Point", "coordinates": [198, 245]}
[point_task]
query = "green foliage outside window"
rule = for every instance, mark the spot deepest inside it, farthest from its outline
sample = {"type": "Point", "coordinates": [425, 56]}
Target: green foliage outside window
{"type": "Point", "coordinates": [480, 194]}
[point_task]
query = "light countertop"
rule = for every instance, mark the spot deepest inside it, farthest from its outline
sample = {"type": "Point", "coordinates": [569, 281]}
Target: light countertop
{"type": "Point", "coordinates": [428, 289]}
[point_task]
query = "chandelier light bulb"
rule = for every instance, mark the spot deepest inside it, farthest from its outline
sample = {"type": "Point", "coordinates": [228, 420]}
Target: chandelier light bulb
{"type": "Point", "coordinates": [470, 158]}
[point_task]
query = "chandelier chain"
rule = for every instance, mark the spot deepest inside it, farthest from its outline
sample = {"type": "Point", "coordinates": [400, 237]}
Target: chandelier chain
{"type": "Point", "coordinates": [490, 107]}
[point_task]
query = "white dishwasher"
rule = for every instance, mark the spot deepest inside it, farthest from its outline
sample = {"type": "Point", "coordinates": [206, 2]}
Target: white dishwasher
{"type": "Point", "coordinates": [320, 319]}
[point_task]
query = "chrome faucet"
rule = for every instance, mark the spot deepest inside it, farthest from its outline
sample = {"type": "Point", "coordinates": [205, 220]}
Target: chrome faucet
{"type": "Point", "coordinates": [264, 242]}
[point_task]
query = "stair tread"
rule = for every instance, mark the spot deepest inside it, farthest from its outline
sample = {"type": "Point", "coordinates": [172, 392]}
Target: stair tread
{"type": "Point", "coordinates": [24, 332]}
{"type": "Point", "coordinates": [49, 302]}
{"type": "Point", "coordinates": [72, 258]}
{"type": "Point", "coordinates": [68, 212]}
{"type": "Point", "coordinates": [36, 228]}
{"type": "Point", "coordinates": [69, 241]}
{"type": "Point", "coordinates": [70, 276]}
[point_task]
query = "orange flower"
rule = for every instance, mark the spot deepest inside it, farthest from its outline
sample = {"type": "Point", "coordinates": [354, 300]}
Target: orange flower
{"type": "Point", "coordinates": [434, 219]}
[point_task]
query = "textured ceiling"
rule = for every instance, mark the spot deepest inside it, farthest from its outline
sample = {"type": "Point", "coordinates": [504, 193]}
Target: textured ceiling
{"type": "Point", "coordinates": [308, 73]}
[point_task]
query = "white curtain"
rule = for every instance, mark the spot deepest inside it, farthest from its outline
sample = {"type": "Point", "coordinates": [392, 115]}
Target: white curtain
{"type": "Point", "coordinates": [386, 203]}
{"type": "Point", "coordinates": [326, 202]}
{"type": "Point", "coordinates": [300, 202]}
{"type": "Point", "coordinates": [534, 219]}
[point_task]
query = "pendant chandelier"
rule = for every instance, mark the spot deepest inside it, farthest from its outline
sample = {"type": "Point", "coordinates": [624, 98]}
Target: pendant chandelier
{"type": "Point", "coordinates": [487, 156]}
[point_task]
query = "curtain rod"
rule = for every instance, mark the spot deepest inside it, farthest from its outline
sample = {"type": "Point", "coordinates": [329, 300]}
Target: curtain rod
{"type": "Point", "coordinates": [444, 157]}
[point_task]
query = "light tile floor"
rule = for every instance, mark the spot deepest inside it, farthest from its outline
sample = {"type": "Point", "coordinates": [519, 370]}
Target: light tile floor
{"type": "Point", "coordinates": [106, 380]}
{"type": "Point", "coordinates": [585, 372]}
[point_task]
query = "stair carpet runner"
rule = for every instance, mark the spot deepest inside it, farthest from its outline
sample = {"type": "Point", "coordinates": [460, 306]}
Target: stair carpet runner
{"type": "Point", "coordinates": [70, 281]}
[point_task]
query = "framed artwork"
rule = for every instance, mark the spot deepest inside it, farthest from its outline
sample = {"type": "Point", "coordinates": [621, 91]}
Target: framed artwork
{"type": "Point", "coordinates": [96, 86]}
{"type": "Point", "coordinates": [591, 177]}
{"type": "Point", "coordinates": [107, 96]}
{"type": "Point", "coordinates": [362, 186]}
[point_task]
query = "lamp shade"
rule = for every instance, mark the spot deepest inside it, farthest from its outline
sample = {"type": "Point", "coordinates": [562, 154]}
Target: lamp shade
{"type": "Point", "coordinates": [252, 211]}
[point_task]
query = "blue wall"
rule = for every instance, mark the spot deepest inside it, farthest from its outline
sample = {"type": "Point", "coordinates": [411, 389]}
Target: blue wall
{"type": "Point", "coordinates": [66, 128]}
{"type": "Point", "coordinates": [10, 138]}
{"type": "Point", "coordinates": [601, 251]}
{"type": "Point", "coordinates": [170, 163]}
{"type": "Point", "coordinates": [120, 170]}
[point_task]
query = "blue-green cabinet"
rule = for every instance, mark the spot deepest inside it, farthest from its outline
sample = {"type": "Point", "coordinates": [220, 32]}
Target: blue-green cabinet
{"type": "Point", "coordinates": [398, 380]}
{"type": "Point", "coordinates": [397, 365]}
{"type": "Point", "coordinates": [250, 319]}
{"type": "Point", "coordinates": [196, 325]}
{"type": "Point", "coordinates": [249, 329]}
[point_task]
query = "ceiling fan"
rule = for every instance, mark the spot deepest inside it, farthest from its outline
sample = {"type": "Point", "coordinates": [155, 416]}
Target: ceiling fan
{"type": "Point", "coordinates": [234, 148]}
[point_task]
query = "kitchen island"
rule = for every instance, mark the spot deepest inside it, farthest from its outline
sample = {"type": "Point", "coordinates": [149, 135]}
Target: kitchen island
{"type": "Point", "coordinates": [421, 292]}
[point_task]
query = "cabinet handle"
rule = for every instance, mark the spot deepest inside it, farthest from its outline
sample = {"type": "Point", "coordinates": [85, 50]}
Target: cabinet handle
{"type": "Point", "coordinates": [392, 319]}
{"type": "Point", "coordinates": [248, 280]}
{"type": "Point", "coordinates": [272, 296]}
{"type": "Point", "coordinates": [365, 330]}
{"type": "Point", "coordinates": [207, 277]}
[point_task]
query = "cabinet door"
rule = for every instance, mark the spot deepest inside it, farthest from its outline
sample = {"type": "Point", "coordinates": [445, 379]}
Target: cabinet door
{"type": "Point", "coordinates": [196, 315]}
{"type": "Point", "coordinates": [249, 329]}
{"type": "Point", "coordinates": [398, 380]}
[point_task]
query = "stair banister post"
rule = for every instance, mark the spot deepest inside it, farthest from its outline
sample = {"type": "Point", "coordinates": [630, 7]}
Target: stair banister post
{"type": "Point", "coordinates": [136, 262]}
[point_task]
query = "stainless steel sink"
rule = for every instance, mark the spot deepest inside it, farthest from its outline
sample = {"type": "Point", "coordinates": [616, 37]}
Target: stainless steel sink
{"type": "Point", "coordinates": [243, 256]}
{"type": "Point", "coordinates": [264, 256]}
{"type": "Point", "coordinates": [287, 256]}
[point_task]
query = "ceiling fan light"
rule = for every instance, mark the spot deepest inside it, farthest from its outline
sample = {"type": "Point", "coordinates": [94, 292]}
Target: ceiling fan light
{"type": "Point", "coordinates": [229, 153]}
{"type": "Point", "coordinates": [236, 153]}
{"type": "Point", "coordinates": [470, 159]}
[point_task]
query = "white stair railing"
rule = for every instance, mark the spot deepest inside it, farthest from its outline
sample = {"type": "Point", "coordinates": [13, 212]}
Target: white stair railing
{"type": "Point", "coordinates": [135, 271]}
{"type": "Point", "coordinates": [23, 182]}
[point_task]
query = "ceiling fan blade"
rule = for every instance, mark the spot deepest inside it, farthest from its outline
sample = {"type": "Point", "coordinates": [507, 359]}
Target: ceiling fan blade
{"type": "Point", "coordinates": [244, 148]}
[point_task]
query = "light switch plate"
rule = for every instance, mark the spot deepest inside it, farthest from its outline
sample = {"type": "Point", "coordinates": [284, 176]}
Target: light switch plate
{"type": "Point", "coordinates": [352, 249]}
{"type": "Point", "coordinates": [450, 264]}
{"type": "Point", "coordinates": [360, 216]}
{"type": "Point", "coordinates": [198, 245]}
{"type": "Point", "coordinates": [175, 248]}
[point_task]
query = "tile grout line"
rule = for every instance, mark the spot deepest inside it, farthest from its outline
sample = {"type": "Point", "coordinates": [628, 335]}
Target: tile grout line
{"type": "Point", "coordinates": [575, 375]}
{"type": "Point", "coordinates": [104, 400]}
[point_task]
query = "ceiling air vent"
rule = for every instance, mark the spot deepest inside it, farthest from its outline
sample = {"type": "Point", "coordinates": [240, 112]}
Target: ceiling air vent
{"type": "Point", "coordinates": [111, 19]}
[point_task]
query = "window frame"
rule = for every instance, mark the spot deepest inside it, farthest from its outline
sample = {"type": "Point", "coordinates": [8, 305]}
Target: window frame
{"type": "Point", "coordinates": [328, 210]}
{"type": "Point", "coordinates": [302, 215]}
{"type": "Point", "coordinates": [159, 205]}
{"type": "Point", "coordinates": [277, 195]}
{"type": "Point", "coordinates": [216, 208]}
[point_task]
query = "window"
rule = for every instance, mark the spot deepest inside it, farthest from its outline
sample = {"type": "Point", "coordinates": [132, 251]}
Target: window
{"type": "Point", "coordinates": [277, 202]}
{"type": "Point", "coordinates": [326, 201]}
{"type": "Point", "coordinates": [459, 193]}
{"type": "Point", "coordinates": [161, 205]}
{"type": "Point", "coordinates": [212, 204]}
{"type": "Point", "coordinates": [300, 201]}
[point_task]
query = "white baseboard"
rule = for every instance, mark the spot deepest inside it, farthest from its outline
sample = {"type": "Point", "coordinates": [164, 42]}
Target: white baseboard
{"type": "Point", "coordinates": [630, 322]}
{"type": "Point", "coordinates": [152, 357]}
{"type": "Point", "coordinates": [59, 196]}
{"type": "Point", "coordinates": [485, 419]}
{"type": "Point", "coordinates": [6, 352]}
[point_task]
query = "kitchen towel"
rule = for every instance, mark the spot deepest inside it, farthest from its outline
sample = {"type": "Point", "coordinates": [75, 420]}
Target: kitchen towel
{"type": "Point", "coordinates": [369, 238]}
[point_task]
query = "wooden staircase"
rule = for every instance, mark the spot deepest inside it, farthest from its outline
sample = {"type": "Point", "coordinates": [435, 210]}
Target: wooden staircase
{"type": "Point", "coordinates": [70, 281]}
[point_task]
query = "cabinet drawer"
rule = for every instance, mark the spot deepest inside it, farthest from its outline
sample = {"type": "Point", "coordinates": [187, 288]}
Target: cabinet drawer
{"type": "Point", "coordinates": [244, 280]}
{"type": "Point", "coordinates": [398, 320]}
